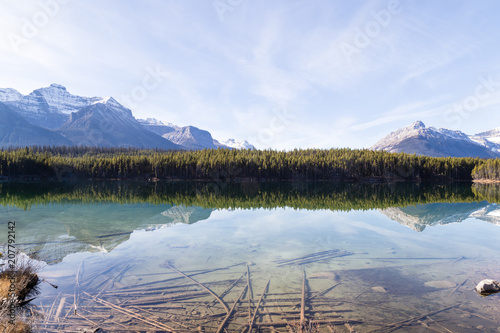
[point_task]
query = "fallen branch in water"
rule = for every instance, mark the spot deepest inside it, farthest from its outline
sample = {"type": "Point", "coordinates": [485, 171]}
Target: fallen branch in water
{"type": "Point", "coordinates": [221, 326]}
{"type": "Point", "coordinates": [132, 314]}
{"type": "Point", "coordinates": [303, 301]}
{"type": "Point", "coordinates": [201, 285]}
{"type": "Point", "coordinates": [407, 322]}
{"type": "Point", "coordinates": [251, 323]}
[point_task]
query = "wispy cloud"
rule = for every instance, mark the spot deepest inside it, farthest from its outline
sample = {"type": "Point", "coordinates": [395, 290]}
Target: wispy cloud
{"type": "Point", "coordinates": [227, 76]}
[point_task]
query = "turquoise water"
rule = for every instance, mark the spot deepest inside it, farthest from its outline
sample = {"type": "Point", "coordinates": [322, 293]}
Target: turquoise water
{"type": "Point", "coordinates": [388, 267]}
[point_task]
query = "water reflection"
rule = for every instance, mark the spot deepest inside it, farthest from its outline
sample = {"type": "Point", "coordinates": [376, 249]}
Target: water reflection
{"type": "Point", "coordinates": [203, 257]}
{"type": "Point", "coordinates": [418, 217]}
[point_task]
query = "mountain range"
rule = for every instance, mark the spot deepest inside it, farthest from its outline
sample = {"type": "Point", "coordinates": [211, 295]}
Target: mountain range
{"type": "Point", "coordinates": [440, 142]}
{"type": "Point", "coordinates": [52, 116]}
{"type": "Point", "coordinates": [418, 217]}
{"type": "Point", "coordinates": [76, 228]}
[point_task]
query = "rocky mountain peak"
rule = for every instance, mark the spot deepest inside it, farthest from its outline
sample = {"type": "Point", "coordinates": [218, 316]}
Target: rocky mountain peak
{"type": "Point", "coordinates": [417, 125]}
{"type": "Point", "coordinates": [57, 86]}
{"type": "Point", "coordinates": [9, 95]}
{"type": "Point", "coordinates": [437, 142]}
{"type": "Point", "coordinates": [76, 117]}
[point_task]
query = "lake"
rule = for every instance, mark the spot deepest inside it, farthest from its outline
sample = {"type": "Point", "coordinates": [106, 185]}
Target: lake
{"type": "Point", "coordinates": [286, 257]}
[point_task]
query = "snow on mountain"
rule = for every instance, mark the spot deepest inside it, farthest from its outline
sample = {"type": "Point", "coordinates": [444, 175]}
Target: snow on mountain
{"type": "Point", "coordinates": [156, 126]}
{"type": "Point", "coordinates": [50, 106]}
{"type": "Point", "coordinates": [54, 108]}
{"type": "Point", "coordinates": [419, 217]}
{"type": "Point", "coordinates": [112, 104]}
{"type": "Point", "coordinates": [15, 131]}
{"type": "Point", "coordinates": [54, 99]}
{"type": "Point", "coordinates": [9, 95]}
{"type": "Point", "coordinates": [430, 141]}
{"type": "Point", "coordinates": [490, 139]}
{"type": "Point", "coordinates": [108, 124]}
{"type": "Point", "coordinates": [232, 143]}
{"type": "Point", "coordinates": [190, 137]}
{"type": "Point", "coordinates": [490, 213]}
{"type": "Point", "coordinates": [155, 122]}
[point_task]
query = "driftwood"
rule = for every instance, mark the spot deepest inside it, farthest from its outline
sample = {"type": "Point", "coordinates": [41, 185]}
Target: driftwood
{"type": "Point", "coordinates": [303, 301]}
{"type": "Point", "coordinates": [249, 295]}
{"type": "Point", "coordinates": [251, 323]}
{"type": "Point", "coordinates": [228, 289]}
{"type": "Point", "coordinates": [314, 257]}
{"type": "Point", "coordinates": [59, 308]}
{"type": "Point", "coordinates": [221, 326]}
{"type": "Point", "coordinates": [434, 322]}
{"type": "Point", "coordinates": [77, 287]}
{"type": "Point", "coordinates": [407, 322]}
{"type": "Point", "coordinates": [166, 298]}
{"type": "Point", "coordinates": [167, 265]}
{"type": "Point", "coordinates": [321, 293]}
{"type": "Point", "coordinates": [113, 279]}
{"type": "Point", "coordinates": [91, 278]}
{"type": "Point", "coordinates": [201, 285]}
{"type": "Point", "coordinates": [132, 314]}
{"type": "Point", "coordinates": [290, 323]}
{"type": "Point", "coordinates": [456, 288]}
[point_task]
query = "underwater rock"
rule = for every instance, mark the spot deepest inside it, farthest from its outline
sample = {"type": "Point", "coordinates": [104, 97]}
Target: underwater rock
{"type": "Point", "coordinates": [324, 275]}
{"type": "Point", "coordinates": [488, 286]}
{"type": "Point", "coordinates": [379, 289]}
{"type": "Point", "coordinates": [440, 284]}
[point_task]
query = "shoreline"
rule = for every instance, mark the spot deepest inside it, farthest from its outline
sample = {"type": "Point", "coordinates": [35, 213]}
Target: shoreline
{"type": "Point", "coordinates": [486, 181]}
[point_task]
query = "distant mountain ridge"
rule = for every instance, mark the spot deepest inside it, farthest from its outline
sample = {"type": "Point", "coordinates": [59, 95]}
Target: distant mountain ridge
{"type": "Point", "coordinates": [190, 137]}
{"type": "Point", "coordinates": [440, 142]}
{"type": "Point", "coordinates": [53, 116]}
{"type": "Point", "coordinates": [16, 131]}
{"type": "Point", "coordinates": [418, 217]}
{"type": "Point", "coordinates": [105, 125]}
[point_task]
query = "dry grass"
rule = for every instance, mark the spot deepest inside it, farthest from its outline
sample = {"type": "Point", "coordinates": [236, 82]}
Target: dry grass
{"type": "Point", "coordinates": [22, 281]}
{"type": "Point", "coordinates": [309, 327]}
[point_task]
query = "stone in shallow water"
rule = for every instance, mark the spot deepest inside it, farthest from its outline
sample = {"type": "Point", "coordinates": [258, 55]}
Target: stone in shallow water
{"type": "Point", "coordinates": [488, 286]}
{"type": "Point", "coordinates": [324, 275]}
{"type": "Point", "coordinates": [379, 289]}
{"type": "Point", "coordinates": [440, 284]}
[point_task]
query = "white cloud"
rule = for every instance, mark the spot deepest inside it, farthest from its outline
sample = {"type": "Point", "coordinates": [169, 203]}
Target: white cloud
{"type": "Point", "coordinates": [227, 76]}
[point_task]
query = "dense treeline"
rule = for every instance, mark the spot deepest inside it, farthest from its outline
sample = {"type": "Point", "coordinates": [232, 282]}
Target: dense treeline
{"type": "Point", "coordinates": [488, 169]}
{"type": "Point", "coordinates": [300, 195]}
{"type": "Point", "coordinates": [227, 165]}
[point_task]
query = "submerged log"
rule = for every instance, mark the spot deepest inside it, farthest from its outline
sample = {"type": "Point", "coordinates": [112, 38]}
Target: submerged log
{"type": "Point", "coordinates": [132, 314]}
{"type": "Point", "coordinates": [221, 326]}
{"type": "Point", "coordinates": [251, 323]}
{"type": "Point", "coordinates": [303, 301]}
{"type": "Point", "coordinates": [314, 257]}
{"type": "Point", "coordinates": [201, 285]}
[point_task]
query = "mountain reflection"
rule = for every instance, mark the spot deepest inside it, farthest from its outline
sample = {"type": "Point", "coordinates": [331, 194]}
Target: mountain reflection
{"type": "Point", "coordinates": [56, 219]}
{"type": "Point", "coordinates": [419, 217]}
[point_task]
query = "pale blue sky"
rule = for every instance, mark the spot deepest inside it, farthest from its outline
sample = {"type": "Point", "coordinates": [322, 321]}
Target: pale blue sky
{"type": "Point", "coordinates": [282, 74]}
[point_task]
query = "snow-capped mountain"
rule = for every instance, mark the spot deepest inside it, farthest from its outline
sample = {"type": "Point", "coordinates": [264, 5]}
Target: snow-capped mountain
{"type": "Point", "coordinates": [155, 122]}
{"type": "Point", "coordinates": [15, 131]}
{"type": "Point", "coordinates": [67, 229]}
{"type": "Point", "coordinates": [190, 137]}
{"type": "Point", "coordinates": [49, 107]}
{"type": "Point", "coordinates": [419, 217]}
{"type": "Point", "coordinates": [109, 124]}
{"type": "Point", "coordinates": [439, 142]}
{"type": "Point", "coordinates": [232, 143]}
{"type": "Point", "coordinates": [157, 126]}
{"type": "Point", "coordinates": [9, 95]}
{"type": "Point", "coordinates": [490, 139]}
{"type": "Point", "coordinates": [89, 121]}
